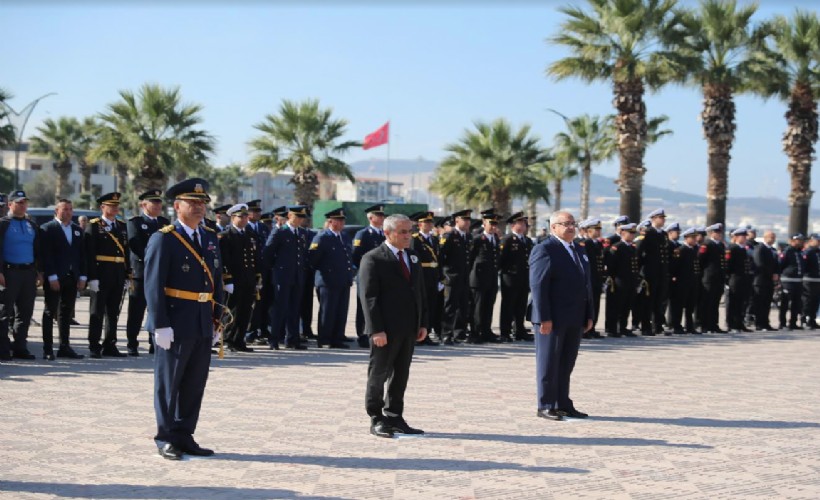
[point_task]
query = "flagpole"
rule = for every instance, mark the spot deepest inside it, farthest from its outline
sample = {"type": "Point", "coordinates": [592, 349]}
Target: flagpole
{"type": "Point", "coordinates": [388, 159]}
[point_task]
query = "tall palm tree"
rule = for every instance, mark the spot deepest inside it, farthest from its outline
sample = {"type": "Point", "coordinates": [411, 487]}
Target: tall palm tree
{"type": "Point", "coordinates": [90, 132]}
{"type": "Point", "coordinates": [562, 168]}
{"type": "Point", "coordinates": [61, 141]}
{"type": "Point", "coordinates": [491, 165]}
{"type": "Point", "coordinates": [730, 58]}
{"type": "Point", "coordinates": [617, 41]}
{"type": "Point", "coordinates": [588, 140]}
{"type": "Point", "coordinates": [796, 42]}
{"type": "Point", "coordinates": [305, 139]}
{"type": "Point", "coordinates": [159, 134]}
{"type": "Point", "coordinates": [8, 136]}
{"type": "Point", "coordinates": [227, 182]}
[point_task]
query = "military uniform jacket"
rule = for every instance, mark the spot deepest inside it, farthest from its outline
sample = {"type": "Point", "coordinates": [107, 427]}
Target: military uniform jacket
{"type": "Point", "coordinates": [595, 252]}
{"type": "Point", "coordinates": [792, 265]}
{"type": "Point", "coordinates": [812, 259]}
{"type": "Point", "coordinates": [261, 233]}
{"type": "Point", "coordinates": [623, 265]}
{"type": "Point", "coordinates": [453, 254]}
{"type": "Point", "coordinates": [366, 239]}
{"type": "Point", "coordinates": [738, 263]}
{"type": "Point", "coordinates": [331, 259]}
{"type": "Point", "coordinates": [169, 264]}
{"type": "Point", "coordinates": [240, 257]}
{"type": "Point", "coordinates": [653, 254]}
{"type": "Point", "coordinates": [514, 260]}
{"type": "Point", "coordinates": [140, 229]}
{"type": "Point", "coordinates": [105, 244]}
{"type": "Point", "coordinates": [285, 254]}
{"type": "Point", "coordinates": [685, 265]}
{"type": "Point", "coordinates": [427, 250]}
{"type": "Point", "coordinates": [483, 261]}
{"type": "Point", "coordinates": [712, 256]}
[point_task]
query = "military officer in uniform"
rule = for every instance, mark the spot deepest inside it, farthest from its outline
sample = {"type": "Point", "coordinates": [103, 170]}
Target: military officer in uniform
{"type": "Point", "coordinates": [712, 256]}
{"type": "Point", "coordinates": [622, 268]}
{"type": "Point", "coordinates": [792, 270]}
{"type": "Point", "coordinates": [594, 248]}
{"type": "Point", "coordinates": [309, 287]}
{"type": "Point", "coordinates": [330, 256]}
{"type": "Point", "coordinates": [767, 273]}
{"type": "Point", "coordinates": [684, 269]}
{"type": "Point", "coordinates": [483, 263]}
{"type": "Point", "coordinates": [258, 330]}
{"type": "Point", "coordinates": [811, 282]}
{"type": "Point", "coordinates": [425, 246]}
{"type": "Point", "coordinates": [608, 243]}
{"type": "Point", "coordinates": [514, 267]}
{"type": "Point", "coordinates": [653, 253]}
{"type": "Point", "coordinates": [222, 218]}
{"type": "Point", "coordinates": [241, 275]}
{"type": "Point", "coordinates": [140, 228]}
{"type": "Point", "coordinates": [739, 273]}
{"type": "Point", "coordinates": [109, 267]}
{"type": "Point", "coordinates": [183, 289]}
{"type": "Point", "coordinates": [285, 254]}
{"type": "Point", "coordinates": [453, 255]}
{"type": "Point", "coordinates": [366, 239]}
{"type": "Point", "coordinates": [279, 217]}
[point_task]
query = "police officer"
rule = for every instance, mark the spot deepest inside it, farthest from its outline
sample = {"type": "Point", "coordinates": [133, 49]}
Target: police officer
{"type": "Point", "coordinates": [685, 273]}
{"type": "Point", "coordinates": [712, 256]}
{"type": "Point", "coordinates": [514, 267]}
{"type": "Point", "coordinates": [792, 270]}
{"type": "Point", "coordinates": [594, 247]}
{"type": "Point", "coordinates": [425, 246]}
{"type": "Point", "coordinates": [241, 275]}
{"type": "Point", "coordinates": [260, 318]}
{"type": "Point", "coordinates": [20, 275]}
{"type": "Point", "coordinates": [654, 258]}
{"type": "Point", "coordinates": [453, 256]}
{"type": "Point", "coordinates": [366, 239]}
{"type": "Point", "coordinates": [483, 264]}
{"type": "Point", "coordinates": [140, 229]}
{"type": "Point", "coordinates": [767, 272]}
{"type": "Point", "coordinates": [183, 289]}
{"type": "Point", "coordinates": [309, 287]}
{"type": "Point", "coordinates": [811, 282]}
{"type": "Point", "coordinates": [739, 273]}
{"type": "Point", "coordinates": [625, 277]}
{"type": "Point", "coordinates": [285, 254]}
{"type": "Point", "coordinates": [330, 256]}
{"type": "Point", "coordinates": [109, 267]}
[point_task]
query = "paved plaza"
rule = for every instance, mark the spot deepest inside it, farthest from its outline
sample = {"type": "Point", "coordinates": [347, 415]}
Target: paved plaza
{"type": "Point", "coordinates": [715, 416]}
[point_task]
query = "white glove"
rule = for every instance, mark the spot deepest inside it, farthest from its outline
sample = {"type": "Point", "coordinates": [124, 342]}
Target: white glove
{"type": "Point", "coordinates": [259, 286]}
{"type": "Point", "coordinates": [94, 285]}
{"type": "Point", "coordinates": [127, 284]}
{"type": "Point", "coordinates": [228, 288]}
{"type": "Point", "coordinates": [215, 338]}
{"type": "Point", "coordinates": [440, 286]}
{"type": "Point", "coordinates": [163, 337]}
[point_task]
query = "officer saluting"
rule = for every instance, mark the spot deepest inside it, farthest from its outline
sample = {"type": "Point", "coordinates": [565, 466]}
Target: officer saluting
{"type": "Point", "coordinates": [140, 229]}
{"type": "Point", "coordinates": [514, 266]}
{"type": "Point", "coordinates": [425, 246]}
{"type": "Point", "coordinates": [366, 239]}
{"type": "Point", "coordinates": [106, 240]}
{"type": "Point", "coordinates": [183, 288]}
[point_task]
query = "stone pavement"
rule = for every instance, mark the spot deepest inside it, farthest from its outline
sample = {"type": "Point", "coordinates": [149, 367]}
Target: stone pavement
{"type": "Point", "coordinates": [716, 416]}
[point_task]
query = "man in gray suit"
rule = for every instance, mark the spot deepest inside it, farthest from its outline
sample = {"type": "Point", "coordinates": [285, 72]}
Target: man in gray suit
{"type": "Point", "coordinates": [391, 289]}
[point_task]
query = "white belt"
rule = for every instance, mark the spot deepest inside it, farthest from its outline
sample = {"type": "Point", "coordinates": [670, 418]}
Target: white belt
{"type": "Point", "coordinates": [791, 280]}
{"type": "Point", "coordinates": [812, 280]}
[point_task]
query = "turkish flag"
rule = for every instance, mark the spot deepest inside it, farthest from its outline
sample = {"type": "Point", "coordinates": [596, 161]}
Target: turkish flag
{"type": "Point", "coordinates": [377, 138]}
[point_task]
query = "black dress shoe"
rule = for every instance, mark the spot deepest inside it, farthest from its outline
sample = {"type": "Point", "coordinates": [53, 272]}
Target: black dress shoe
{"type": "Point", "coordinates": [67, 352]}
{"type": "Point", "coordinates": [95, 355]}
{"type": "Point", "coordinates": [339, 345]}
{"type": "Point", "coordinates": [492, 339]}
{"type": "Point", "coordinates": [23, 355]}
{"type": "Point", "coordinates": [526, 337]}
{"type": "Point", "coordinates": [240, 348]}
{"type": "Point", "coordinates": [399, 425]}
{"type": "Point", "coordinates": [5, 356]}
{"type": "Point", "coordinates": [572, 413]}
{"type": "Point", "coordinates": [448, 341]}
{"type": "Point", "coordinates": [74, 322]}
{"type": "Point", "coordinates": [196, 450]}
{"type": "Point", "coordinates": [113, 353]}
{"type": "Point", "coordinates": [133, 352]}
{"type": "Point", "coordinates": [381, 429]}
{"type": "Point", "coordinates": [363, 341]}
{"type": "Point", "coordinates": [627, 333]}
{"type": "Point", "coordinates": [348, 339]}
{"type": "Point", "coordinates": [430, 342]}
{"type": "Point", "coordinates": [48, 356]}
{"type": "Point", "coordinates": [296, 347]}
{"type": "Point", "coordinates": [647, 333]}
{"type": "Point", "coordinates": [549, 414]}
{"type": "Point", "coordinates": [170, 452]}
{"type": "Point", "coordinates": [151, 349]}
{"type": "Point", "coordinates": [474, 341]}
{"type": "Point", "coordinates": [614, 335]}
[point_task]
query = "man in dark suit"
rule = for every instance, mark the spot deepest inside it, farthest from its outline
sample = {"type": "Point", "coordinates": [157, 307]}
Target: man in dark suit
{"type": "Point", "coordinates": [366, 239]}
{"type": "Point", "coordinates": [65, 273]}
{"type": "Point", "coordinates": [391, 287]}
{"type": "Point", "coordinates": [561, 311]}
{"type": "Point", "coordinates": [767, 272]}
{"type": "Point", "coordinates": [183, 288]}
{"type": "Point", "coordinates": [140, 229]}
{"type": "Point", "coordinates": [241, 275]}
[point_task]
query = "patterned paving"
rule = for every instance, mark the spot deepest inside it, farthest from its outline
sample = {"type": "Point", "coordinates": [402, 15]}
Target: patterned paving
{"type": "Point", "coordinates": [730, 416]}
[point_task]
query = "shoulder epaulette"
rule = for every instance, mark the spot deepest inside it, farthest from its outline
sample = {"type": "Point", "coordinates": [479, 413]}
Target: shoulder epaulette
{"type": "Point", "coordinates": [167, 229]}
{"type": "Point", "coordinates": [208, 229]}
{"type": "Point", "coordinates": [135, 217]}
{"type": "Point", "coordinates": [95, 220]}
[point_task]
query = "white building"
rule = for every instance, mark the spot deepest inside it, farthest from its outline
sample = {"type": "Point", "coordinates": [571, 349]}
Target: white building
{"type": "Point", "coordinates": [103, 179]}
{"type": "Point", "coordinates": [372, 190]}
{"type": "Point", "coordinates": [274, 190]}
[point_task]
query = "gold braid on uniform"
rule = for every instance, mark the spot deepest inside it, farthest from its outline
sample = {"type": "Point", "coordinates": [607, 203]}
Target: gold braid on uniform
{"type": "Point", "coordinates": [167, 229]}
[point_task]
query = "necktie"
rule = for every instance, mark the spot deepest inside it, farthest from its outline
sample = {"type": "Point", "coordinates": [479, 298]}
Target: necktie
{"type": "Point", "coordinates": [197, 245]}
{"type": "Point", "coordinates": [577, 259]}
{"type": "Point", "coordinates": [404, 270]}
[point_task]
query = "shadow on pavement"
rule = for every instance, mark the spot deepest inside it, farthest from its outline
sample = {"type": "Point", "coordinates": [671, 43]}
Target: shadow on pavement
{"type": "Point", "coordinates": [712, 422]}
{"type": "Point", "coordinates": [129, 491]}
{"type": "Point", "coordinates": [378, 463]}
{"type": "Point", "coordinates": [566, 441]}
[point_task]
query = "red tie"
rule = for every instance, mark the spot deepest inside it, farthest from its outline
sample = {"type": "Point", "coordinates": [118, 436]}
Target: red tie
{"type": "Point", "coordinates": [404, 270]}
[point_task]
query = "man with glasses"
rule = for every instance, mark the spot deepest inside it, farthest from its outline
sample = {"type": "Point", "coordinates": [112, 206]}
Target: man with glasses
{"type": "Point", "coordinates": [562, 311]}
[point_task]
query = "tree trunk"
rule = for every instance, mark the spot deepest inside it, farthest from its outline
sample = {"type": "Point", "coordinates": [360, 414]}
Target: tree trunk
{"type": "Point", "coordinates": [502, 205]}
{"type": "Point", "coordinates": [63, 172]}
{"type": "Point", "coordinates": [85, 173]}
{"type": "Point", "coordinates": [559, 190]}
{"type": "Point", "coordinates": [306, 187]}
{"type": "Point", "coordinates": [532, 216]}
{"type": "Point", "coordinates": [798, 143]}
{"type": "Point", "coordinates": [718, 118]}
{"type": "Point", "coordinates": [151, 175]}
{"type": "Point", "coordinates": [630, 123]}
{"type": "Point", "coordinates": [586, 174]}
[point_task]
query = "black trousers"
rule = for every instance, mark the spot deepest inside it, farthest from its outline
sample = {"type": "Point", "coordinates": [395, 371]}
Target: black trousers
{"type": "Point", "coordinates": [513, 308]}
{"type": "Point", "coordinates": [333, 304]}
{"type": "Point", "coordinates": [359, 317]}
{"type": "Point", "coordinates": [389, 365]}
{"type": "Point", "coordinates": [285, 313]}
{"type": "Point", "coordinates": [17, 307]}
{"type": "Point", "coordinates": [791, 300]}
{"type": "Point", "coordinates": [59, 306]}
{"type": "Point", "coordinates": [597, 291]}
{"type": "Point", "coordinates": [306, 306]}
{"type": "Point", "coordinates": [105, 307]}
{"type": "Point", "coordinates": [260, 320]}
{"type": "Point", "coordinates": [811, 301]}
{"type": "Point", "coordinates": [710, 305]}
{"type": "Point", "coordinates": [739, 291]}
{"type": "Point", "coordinates": [483, 304]}
{"type": "Point", "coordinates": [136, 313]}
{"type": "Point", "coordinates": [763, 293]}
{"type": "Point", "coordinates": [624, 298]}
{"type": "Point", "coordinates": [456, 308]}
{"type": "Point", "coordinates": [240, 303]}
{"type": "Point", "coordinates": [656, 302]}
{"type": "Point", "coordinates": [682, 300]}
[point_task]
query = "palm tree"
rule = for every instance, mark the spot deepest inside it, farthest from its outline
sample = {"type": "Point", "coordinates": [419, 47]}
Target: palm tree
{"type": "Point", "coordinates": [557, 171]}
{"type": "Point", "coordinates": [90, 132]}
{"type": "Point", "coordinates": [617, 41]}
{"type": "Point", "coordinates": [491, 165]}
{"type": "Point", "coordinates": [730, 59]}
{"type": "Point", "coordinates": [305, 139]}
{"type": "Point", "coordinates": [227, 182]}
{"type": "Point", "coordinates": [61, 141]}
{"type": "Point", "coordinates": [158, 133]}
{"type": "Point", "coordinates": [589, 140]}
{"type": "Point", "coordinates": [797, 81]}
{"type": "Point", "coordinates": [8, 136]}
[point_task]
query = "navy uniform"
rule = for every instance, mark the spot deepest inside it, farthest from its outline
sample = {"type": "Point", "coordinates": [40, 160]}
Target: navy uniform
{"type": "Point", "coordinates": [140, 228]}
{"type": "Point", "coordinates": [309, 286]}
{"type": "Point", "coordinates": [285, 255]}
{"type": "Point", "coordinates": [622, 269]}
{"type": "Point", "coordinates": [654, 257]}
{"type": "Point", "coordinates": [260, 317]}
{"type": "Point", "coordinates": [241, 273]}
{"type": "Point", "coordinates": [792, 270]}
{"type": "Point", "coordinates": [594, 248]}
{"type": "Point", "coordinates": [483, 264]}
{"type": "Point", "coordinates": [330, 256]}
{"type": "Point", "coordinates": [514, 267]}
{"type": "Point", "coordinates": [183, 288]}
{"type": "Point", "coordinates": [454, 247]}
{"type": "Point", "coordinates": [365, 240]}
{"type": "Point", "coordinates": [425, 246]}
{"type": "Point", "coordinates": [109, 265]}
{"type": "Point", "coordinates": [712, 256]}
{"type": "Point", "coordinates": [739, 274]}
{"type": "Point", "coordinates": [685, 273]}
{"type": "Point", "coordinates": [766, 268]}
{"type": "Point", "coordinates": [811, 284]}
{"type": "Point", "coordinates": [609, 242]}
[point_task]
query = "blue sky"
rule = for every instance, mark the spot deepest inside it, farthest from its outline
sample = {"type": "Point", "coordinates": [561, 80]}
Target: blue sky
{"type": "Point", "coordinates": [432, 70]}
